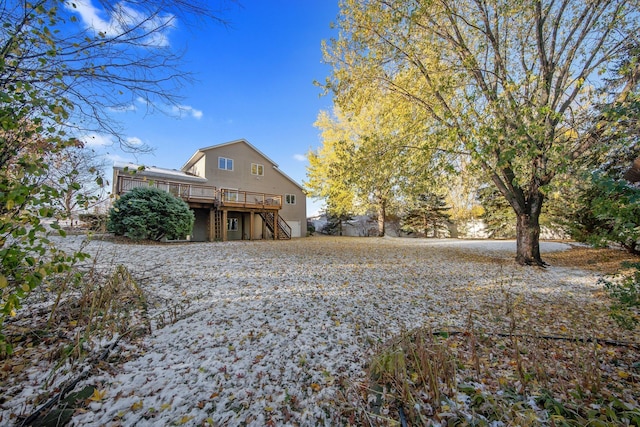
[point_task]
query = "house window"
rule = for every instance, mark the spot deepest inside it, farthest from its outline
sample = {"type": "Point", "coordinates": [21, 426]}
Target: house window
{"type": "Point", "coordinates": [225, 164]}
{"type": "Point", "coordinates": [232, 224]}
{"type": "Point", "coordinates": [290, 199]}
{"type": "Point", "coordinates": [257, 169]}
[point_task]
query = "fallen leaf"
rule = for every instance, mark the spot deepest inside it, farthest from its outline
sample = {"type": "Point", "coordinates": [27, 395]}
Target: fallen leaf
{"type": "Point", "coordinates": [98, 395]}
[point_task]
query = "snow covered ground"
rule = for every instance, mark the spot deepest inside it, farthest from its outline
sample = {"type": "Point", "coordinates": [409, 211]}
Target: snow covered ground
{"type": "Point", "coordinates": [268, 331]}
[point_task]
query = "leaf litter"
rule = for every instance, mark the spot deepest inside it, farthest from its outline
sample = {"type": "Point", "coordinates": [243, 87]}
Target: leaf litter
{"type": "Point", "coordinates": [290, 333]}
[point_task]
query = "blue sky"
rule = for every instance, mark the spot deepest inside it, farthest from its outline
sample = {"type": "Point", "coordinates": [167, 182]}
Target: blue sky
{"type": "Point", "coordinates": [254, 81]}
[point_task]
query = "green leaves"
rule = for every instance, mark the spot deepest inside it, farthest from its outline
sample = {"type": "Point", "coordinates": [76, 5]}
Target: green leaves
{"type": "Point", "coordinates": [150, 213]}
{"type": "Point", "coordinates": [510, 85]}
{"type": "Point", "coordinates": [625, 292]}
{"type": "Point", "coordinates": [609, 212]}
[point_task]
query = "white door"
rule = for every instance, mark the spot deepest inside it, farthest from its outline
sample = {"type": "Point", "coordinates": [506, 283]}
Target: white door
{"type": "Point", "coordinates": [295, 228]}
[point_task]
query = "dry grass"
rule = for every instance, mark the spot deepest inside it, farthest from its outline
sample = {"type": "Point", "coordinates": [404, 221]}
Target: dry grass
{"type": "Point", "coordinates": [606, 261]}
{"type": "Point", "coordinates": [531, 365]}
{"type": "Point", "coordinates": [492, 367]}
{"type": "Point", "coordinates": [78, 311]}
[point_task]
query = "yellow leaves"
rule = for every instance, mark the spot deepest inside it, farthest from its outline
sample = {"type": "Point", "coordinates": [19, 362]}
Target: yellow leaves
{"type": "Point", "coordinates": [3, 282]}
{"type": "Point", "coordinates": [184, 419]}
{"type": "Point", "coordinates": [97, 395]}
{"type": "Point", "coordinates": [623, 375]}
{"type": "Point", "coordinates": [137, 406]}
{"type": "Point", "coordinates": [165, 406]}
{"type": "Point", "coordinates": [316, 387]}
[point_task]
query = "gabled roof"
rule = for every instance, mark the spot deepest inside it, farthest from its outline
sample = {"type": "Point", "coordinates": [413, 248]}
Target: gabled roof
{"type": "Point", "coordinates": [201, 152]}
{"type": "Point", "coordinates": [159, 173]}
{"type": "Point", "coordinates": [198, 154]}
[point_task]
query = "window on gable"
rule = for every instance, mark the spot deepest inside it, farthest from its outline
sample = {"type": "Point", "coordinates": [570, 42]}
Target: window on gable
{"type": "Point", "coordinates": [257, 169]}
{"type": "Point", "coordinates": [225, 164]}
{"type": "Point", "coordinates": [290, 199]}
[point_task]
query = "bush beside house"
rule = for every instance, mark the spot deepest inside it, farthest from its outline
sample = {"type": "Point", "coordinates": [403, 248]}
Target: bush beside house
{"type": "Point", "coordinates": [147, 213]}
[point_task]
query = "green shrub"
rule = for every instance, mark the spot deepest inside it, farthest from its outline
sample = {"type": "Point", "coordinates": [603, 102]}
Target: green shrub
{"type": "Point", "coordinates": [625, 292]}
{"type": "Point", "coordinates": [610, 213]}
{"type": "Point", "coordinates": [150, 213]}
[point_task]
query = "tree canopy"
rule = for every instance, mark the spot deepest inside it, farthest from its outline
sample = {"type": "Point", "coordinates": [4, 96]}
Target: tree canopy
{"type": "Point", "coordinates": [65, 67]}
{"type": "Point", "coordinates": [515, 86]}
{"type": "Point", "coordinates": [93, 59]}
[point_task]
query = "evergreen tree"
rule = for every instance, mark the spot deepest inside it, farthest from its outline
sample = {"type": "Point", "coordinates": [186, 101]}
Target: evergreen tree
{"type": "Point", "coordinates": [498, 217]}
{"type": "Point", "coordinates": [428, 216]}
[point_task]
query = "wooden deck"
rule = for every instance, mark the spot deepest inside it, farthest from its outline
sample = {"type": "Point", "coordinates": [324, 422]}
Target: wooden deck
{"type": "Point", "coordinates": [196, 193]}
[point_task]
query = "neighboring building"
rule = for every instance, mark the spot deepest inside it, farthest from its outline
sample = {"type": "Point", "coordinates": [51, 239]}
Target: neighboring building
{"type": "Point", "coordinates": [235, 191]}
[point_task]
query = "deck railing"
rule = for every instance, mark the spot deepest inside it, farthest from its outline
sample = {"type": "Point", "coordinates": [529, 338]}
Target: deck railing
{"type": "Point", "coordinates": [224, 196]}
{"type": "Point", "coordinates": [178, 189]}
{"type": "Point", "coordinates": [229, 197]}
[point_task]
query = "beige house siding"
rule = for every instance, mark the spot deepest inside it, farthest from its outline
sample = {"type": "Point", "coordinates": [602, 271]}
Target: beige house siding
{"type": "Point", "coordinates": [262, 198]}
{"type": "Point", "coordinates": [199, 168]}
{"type": "Point", "coordinates": [205, 163]}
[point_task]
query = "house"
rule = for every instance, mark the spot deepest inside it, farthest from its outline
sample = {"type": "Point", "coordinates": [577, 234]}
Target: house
{"type": "Point", "coordinates": [235, 191]}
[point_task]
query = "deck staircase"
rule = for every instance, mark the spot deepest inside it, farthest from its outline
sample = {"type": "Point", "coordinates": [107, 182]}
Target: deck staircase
{"type": "Point", "coordinates": [284, 230]}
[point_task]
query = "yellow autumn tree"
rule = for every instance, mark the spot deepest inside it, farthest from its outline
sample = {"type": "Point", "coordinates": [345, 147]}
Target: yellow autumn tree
{"type": "Point", "coordinates": [505, 81]}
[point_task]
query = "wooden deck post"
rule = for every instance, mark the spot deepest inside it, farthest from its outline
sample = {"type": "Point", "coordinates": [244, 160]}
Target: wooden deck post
{"type": "Point", "coordinates": [212, 225]}
{"type": "Point", "coordinates": [224, 225]}
{"type": "Point", "coordinates": [251, 221]}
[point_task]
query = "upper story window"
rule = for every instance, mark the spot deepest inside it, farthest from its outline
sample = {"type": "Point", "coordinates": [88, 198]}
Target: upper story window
{"type": "Point", "coordinates": [225, 164]}
{"type": "Point", "coordinates": [290, 199]}
{"type": "Point", "coordinates": [257, 169]}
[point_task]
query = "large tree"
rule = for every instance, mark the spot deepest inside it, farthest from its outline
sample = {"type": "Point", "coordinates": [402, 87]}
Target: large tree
{"type": "Point", "coordinates": [99, 56]}
{"type": "Point", "coordinates": [513, 83]}
{"type": "Point", "coordinates": [77, 174]}
{"type": "Point", "coordinates": [371, 156]}
{"type": "Point", "coordinates": [64, 67]}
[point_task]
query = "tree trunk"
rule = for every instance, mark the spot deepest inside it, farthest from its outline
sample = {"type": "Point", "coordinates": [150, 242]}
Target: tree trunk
{"type": "Point", "coordinates": [381, 214]}
{"type": "Point", "coordinates": [528, 232]}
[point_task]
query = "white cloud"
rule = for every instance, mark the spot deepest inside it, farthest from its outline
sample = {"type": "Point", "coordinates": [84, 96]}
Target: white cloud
{"type": "Point", "coordinates": [123, 108]}
{"type": "Point", "coordinates": [300, 157]}
{"type": "Point", "coordinates": [134, 141]}
{"type": "Point", "coordinates": [121, 19]}
{"type": "Point", "coordinates": [96, 140]}
{"type": "Point", "coordinates": [179, 110]}
{"type": "Point", "coordinates": [116, 158]}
